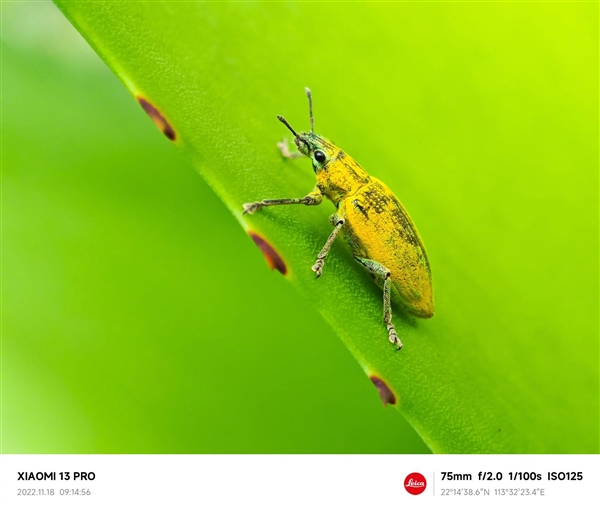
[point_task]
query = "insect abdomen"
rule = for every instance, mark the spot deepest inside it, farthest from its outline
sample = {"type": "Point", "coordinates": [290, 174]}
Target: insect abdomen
{"type": "Point", "coordinates": [379, 228]}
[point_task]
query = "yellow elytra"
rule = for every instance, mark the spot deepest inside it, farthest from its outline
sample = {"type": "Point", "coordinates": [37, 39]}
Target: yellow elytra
{"type": "Point", "coordinates": [376, 226]}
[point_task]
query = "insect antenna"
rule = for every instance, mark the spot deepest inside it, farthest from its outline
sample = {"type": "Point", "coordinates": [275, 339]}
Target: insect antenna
{"type": "Point", "coordinates": [312, 119]}
{"type": "Point", "coordinates": [284, 121]}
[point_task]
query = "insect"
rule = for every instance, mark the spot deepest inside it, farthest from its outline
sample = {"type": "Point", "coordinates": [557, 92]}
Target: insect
{"type": "Point", "coordinates": [378, 229]}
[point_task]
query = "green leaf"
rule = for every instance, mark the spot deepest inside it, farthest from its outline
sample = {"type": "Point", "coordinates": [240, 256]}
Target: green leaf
{"type": "Point", "coordinates": [482, 119]}
{"type": "Point", "coordinates": [118, 336]}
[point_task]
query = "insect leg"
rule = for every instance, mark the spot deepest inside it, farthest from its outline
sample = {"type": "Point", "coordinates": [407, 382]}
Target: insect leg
{"type": "Point", "coordinates": [337, 222]}
{"type": "Point", "coordinates": [384, 273]}
{"type": "Point", "coordinates": [312, 198]}
{"type": "Point", "coordinates": [286, 152]}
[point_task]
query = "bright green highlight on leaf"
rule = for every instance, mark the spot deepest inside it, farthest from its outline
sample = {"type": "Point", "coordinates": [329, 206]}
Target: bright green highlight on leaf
{"type": "Point", "coordinates": [482, 118]}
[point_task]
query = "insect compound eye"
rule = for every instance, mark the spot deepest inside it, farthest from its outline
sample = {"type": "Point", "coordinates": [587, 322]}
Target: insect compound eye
{"type": "Point", "coordinates": [320, 156]}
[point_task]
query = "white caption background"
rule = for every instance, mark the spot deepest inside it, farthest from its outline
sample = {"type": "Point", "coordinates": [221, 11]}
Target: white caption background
{"type": "Point", "coordinates": [294, 483]}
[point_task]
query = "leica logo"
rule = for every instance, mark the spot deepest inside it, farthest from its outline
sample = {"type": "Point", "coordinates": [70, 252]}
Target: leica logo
{"type": "Point", "coordinates": [415, 483]}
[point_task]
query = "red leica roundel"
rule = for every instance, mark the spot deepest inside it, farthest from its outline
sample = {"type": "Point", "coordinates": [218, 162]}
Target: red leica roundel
{"type": "Point", "coordinates": [415, 483]}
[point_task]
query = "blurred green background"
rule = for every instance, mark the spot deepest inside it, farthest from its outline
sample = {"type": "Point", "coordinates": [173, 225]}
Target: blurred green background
{"type": "Point", "coordinates": [121, 334]}
{"type": "Point", "coordinates": [482, 117]}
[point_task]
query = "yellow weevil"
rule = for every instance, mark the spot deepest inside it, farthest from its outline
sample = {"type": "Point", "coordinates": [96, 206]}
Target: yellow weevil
{"type": "Point", "coordinates": [376, 226]}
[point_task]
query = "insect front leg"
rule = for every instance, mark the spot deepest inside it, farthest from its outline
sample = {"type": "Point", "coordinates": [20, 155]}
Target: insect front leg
{"type": "Point", "coordinates": [338, 222]}
{"type": "Point", "coordinates": [312, 198]}
{"type": "Point", "coordinates": [384, 273]}
{"type": "Point", "coordinates": [286, 152]}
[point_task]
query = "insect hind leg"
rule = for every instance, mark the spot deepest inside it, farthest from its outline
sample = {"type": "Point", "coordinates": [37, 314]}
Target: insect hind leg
{"type": "Point", "coordinates": [384, 273]}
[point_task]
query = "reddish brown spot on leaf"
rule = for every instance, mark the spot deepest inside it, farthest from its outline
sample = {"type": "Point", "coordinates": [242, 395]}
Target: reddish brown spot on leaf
{"type": "Point", "coordinates": [159, 120]}
{"type": "Point", "coordinates": [273, 258]}
{"type": "Point", "coordinates": [386, 394]}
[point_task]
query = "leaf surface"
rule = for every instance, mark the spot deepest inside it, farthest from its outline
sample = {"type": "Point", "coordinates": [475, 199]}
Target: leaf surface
{"type": "Point", "coordinates": [481, 118]}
